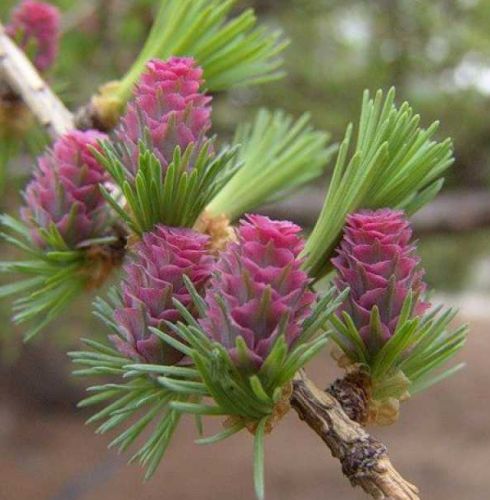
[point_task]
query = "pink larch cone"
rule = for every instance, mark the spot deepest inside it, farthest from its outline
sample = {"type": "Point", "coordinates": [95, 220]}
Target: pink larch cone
{"type": "Point", "coordinates": [377, 261]}
{"type": "Point", "coordinates": [65, 191]}
{"type": "Point", "coordinates": [167, 110]}
{"type": "Point", "coordinates": [152, 279]}
{"type": "Point", "coordinates": [36, 26]}
{"type": "Point", "coordinates": [257, 287]}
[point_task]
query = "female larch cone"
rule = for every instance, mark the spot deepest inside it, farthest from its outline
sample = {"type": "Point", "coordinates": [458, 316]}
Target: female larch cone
{"type": "Point", "coordinates": [377, 261]}
{"type": "Point", "coordinates": [167, 110]}
{"type": "Point", "coordinates": [258, 290]}
{"type": "Point", "coordinates": [65, 191]}
{"type": "Point", "coordinates": [152, 279]}
{"type": "Point", "coordinates": [35, 26]}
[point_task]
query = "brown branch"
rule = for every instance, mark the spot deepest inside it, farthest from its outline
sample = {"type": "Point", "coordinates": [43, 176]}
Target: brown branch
{"type": "Point", "coordinates": [364, 459]}
{"type": "Point", "coordinates": [353, 394]}
{"type": "Point", "coordinates": [23, 79]}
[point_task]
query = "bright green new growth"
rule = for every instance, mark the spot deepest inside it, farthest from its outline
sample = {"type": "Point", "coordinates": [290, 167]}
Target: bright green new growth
{"type": "Point", "coordinates": [278, 154]}
{"type": "Point", "coordinates": [54, 278]}
{"type": "Point", "coordinates": [408, 360]}
{"type": "Point", "coordinates": [173, 196]}
{"type": "Point", "coordinates": [431, 345]}
{"type": "Point", "coordinates": [251, 399]}
{"type": "Point", "coordinates": [159, 394]}
{"type": "Point", "coordinates": [136, 392]}
{"type": "Point", "coordinates": [142, 397]}
{"type": "Point", "coordinates": [395, 164]}
{"type": "Point", "coordinates": [232, 52]}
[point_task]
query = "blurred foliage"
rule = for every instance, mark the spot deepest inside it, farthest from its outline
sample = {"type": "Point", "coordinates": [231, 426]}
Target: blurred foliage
{"type": "Point", "coordinates": [436, 53]}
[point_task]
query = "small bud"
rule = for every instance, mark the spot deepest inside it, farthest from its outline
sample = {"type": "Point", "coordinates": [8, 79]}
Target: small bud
{"type": "Point", "coordinates": [219, 230]}
{"type": "Point", "coordinates": [15, 117]}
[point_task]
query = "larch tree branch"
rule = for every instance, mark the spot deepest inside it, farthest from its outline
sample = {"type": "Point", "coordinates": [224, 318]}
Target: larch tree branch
{"type": "Point", "coordinates": [19, 74]}
{"type": "Point", "coordinates": [364, 460]}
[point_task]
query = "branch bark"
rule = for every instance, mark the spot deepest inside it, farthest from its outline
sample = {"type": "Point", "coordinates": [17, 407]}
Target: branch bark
{"type": "Point", "coordinates": [23, 79]}
{"type": "Point", "coordinates": [364, 460]}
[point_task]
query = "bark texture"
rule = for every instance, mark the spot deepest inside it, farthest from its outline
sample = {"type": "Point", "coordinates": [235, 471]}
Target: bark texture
{"type": "Point", "coordinates": [364, 460]}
